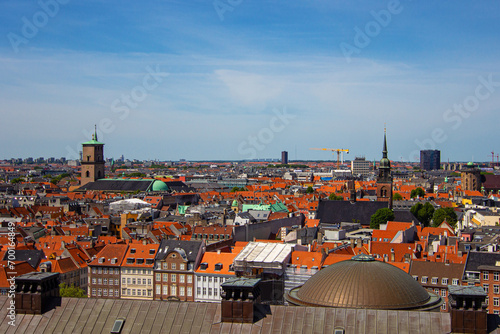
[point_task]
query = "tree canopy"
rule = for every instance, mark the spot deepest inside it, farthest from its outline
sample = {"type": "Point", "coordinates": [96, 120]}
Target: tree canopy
{"type": "Point", "coordinates": [397, 197]}
{"type": "Point", "coordinates": [334, 197]}
{"type": "Point", "coordinates": [382, 216]}
{"type": "Point", "coordinates": [423, 212]}
{"type": "Point", "coordinates": [71, 291]}
{"type": "Point", "coordinates": [17, 180]}
{"type": "Point", "coordinates": [417, 192]}
{"type": "Point", "coordinates": [309, 190]}
{"type": "Point", "coordinates": [444, 213]}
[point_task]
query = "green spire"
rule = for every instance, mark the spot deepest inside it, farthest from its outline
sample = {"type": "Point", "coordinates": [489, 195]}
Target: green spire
{"type": "Point", "coordinates": [94, 140]}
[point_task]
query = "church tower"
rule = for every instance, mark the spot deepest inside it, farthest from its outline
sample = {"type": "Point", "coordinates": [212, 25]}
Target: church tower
{"type": "Point", "coordinates": [92, 160]}
{"type": "Point", "coordinates": [384, 180]}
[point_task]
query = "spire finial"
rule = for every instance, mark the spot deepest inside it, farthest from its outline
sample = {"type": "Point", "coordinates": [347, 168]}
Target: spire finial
{"type": "Point", "coordinates": [95, 131]}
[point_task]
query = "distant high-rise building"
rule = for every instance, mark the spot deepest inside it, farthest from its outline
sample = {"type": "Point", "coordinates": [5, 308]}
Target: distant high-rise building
{"type": "Point", "coordinates": [430, 159]}
{"type": "Point", "coordinates": [284, 157]}
{"type": "Point", "coordinates": [360, 166]}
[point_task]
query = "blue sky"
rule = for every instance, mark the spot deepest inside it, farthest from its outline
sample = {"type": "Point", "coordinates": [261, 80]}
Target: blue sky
{"type": "Point", "coordinates": [242, 79]}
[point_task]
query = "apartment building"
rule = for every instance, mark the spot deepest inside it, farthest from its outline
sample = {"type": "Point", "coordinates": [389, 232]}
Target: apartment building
{"type": "Point", "coordinates": [104, 272]}
{"type": "Point", "coordinates": [175, 265]}
{"type": "Point", "coordinates": [137, 271]}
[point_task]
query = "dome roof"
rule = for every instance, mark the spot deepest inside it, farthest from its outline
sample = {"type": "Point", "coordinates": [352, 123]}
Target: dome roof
{"type": "Point", "coordinates": [384, 162]}
{"type": "Point", "coordinates": [363, 282]}
{"type": "Point", "coordinates": [159, 186]}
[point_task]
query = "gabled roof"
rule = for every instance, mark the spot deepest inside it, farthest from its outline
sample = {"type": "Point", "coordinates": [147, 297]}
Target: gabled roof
{"type": "Point", "coordinates": [437, 269]}
{"type": "Point", "coordinates": [476, 259]}
{"type": "Point", "coordinates": [110, 255]}
{"type": "Point", "coordinates": [189, 248]}
{"type": "Point", "coordinates": [213, 258]}
{"type": "Point", "coordinates": [32, 256]}
{"type": "Point", "coordinates": [137, 254]}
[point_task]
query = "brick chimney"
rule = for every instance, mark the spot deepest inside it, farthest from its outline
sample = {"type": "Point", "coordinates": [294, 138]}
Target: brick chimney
{"type": "Point", "coordinates": [240, 297]}
{"type": "Point", "coordinates": [468, 309]}
{"type": "Point", "coordinates": [37, 292]}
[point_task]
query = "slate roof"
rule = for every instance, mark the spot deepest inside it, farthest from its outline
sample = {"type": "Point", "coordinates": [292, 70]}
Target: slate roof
{"type": "Point", "coordinates": [191, 248]}
{"type": "Point", "coordinates": [476, 259]}
{"type": "Point", "coordinates": [179, 186]}
{"type": "Point", "coordinates": [405, 216]}
{"type": "Point", "coordinates": [344, 211]}
{"type": "Point", "coordinates": [117, 185]}
{"type": "Point", "coordinates": [32, 256]}
{"type": "Point", "coordinates": [89, 315]}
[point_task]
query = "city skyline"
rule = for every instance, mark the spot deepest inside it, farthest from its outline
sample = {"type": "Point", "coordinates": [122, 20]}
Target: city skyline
{"type": "Point", "coordinates": [220, 81]}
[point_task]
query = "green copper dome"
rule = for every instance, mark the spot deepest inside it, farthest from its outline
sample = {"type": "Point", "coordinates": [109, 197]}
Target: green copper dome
{"type": "Point", "coordinates": [470, 164]}
{"type": "Point", "coordinates": [159, 186]}
{"type": "Point", "coordinates": [235, 203]}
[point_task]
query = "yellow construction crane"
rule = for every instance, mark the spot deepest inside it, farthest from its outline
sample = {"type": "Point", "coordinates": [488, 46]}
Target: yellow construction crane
{"type": "Point", "coordinates": [340, 152]}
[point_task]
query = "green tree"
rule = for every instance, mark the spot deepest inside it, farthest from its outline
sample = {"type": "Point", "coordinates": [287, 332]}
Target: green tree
{"type": "Point", "coordinates": [397, 197]}
{"type": "Point", "coordinates": [136, 174]}
{"type": "Point", "coordinates": [382, 216]}
{"type": "Point", "coordinates": [444, 213]}
{"type": "Point", "coordinates": [334, 197]}
{"type": "Point", "coordinates": [17, 180]}
{"type": "Point", "coordinates": [417, 192]}
{"type": "Point", "coordinates": [71, 291]}
{"type": "Point", "coordinates": [423, 212]}
{"type": "Point", "coordinates": [309, 190]}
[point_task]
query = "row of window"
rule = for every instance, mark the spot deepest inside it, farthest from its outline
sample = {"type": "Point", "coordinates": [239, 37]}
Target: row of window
{"type": "Point", "coordinates": [173, 266]}
{"type": "Point", "coordinates": [173, 278]}
{"type": "Point", "coordinates": [435, 280]}
{"type": "Point", "coordinates": [137, 271]}
{"type": "Point", "coordinates": [106, 271]}
{"type": "Point", "coordinates": [105, 281]}
{"type": "Point", "coordinates": [211, 236]}
{"type": "Point", "coordinates": [183, 291]}
{"type": "Point", "coordinates": [208, 292]}
{"type": "Point", "coordinates": [104, 292]}
{"type": "Point", "coordinates": [486, 276]}
{"type": "Point", "coordinates": [137, 292]}
{"type": "Point", "coordinates": [496, 288]}
{"type": "Point", "coordinates": [138, 281]}
{"type": "Point", "coordinates": [209, 278]}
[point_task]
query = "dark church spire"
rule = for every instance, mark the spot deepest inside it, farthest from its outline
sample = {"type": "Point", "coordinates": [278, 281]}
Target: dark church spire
{"type": "Point", "coordinates": [384, 150]}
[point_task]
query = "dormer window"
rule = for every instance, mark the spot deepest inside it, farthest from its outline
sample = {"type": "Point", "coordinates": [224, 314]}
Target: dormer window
{"type": "Point", "coordinates": [132, 251]}
{"type": "Point", "coordinates": [218, 266]}
{"type": "Point", "coordinates": [101, 260]}
{"type": "Point", "coordinates": [151, 251]}
{"type": "Point", "coordinates": [130, 260]}
{"type": "Point", "coordinates": [140, 261]}
{"type": "Point", "coordinates": [204, 266]}
{"type": "Point", "coordinates": [114, 260]}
